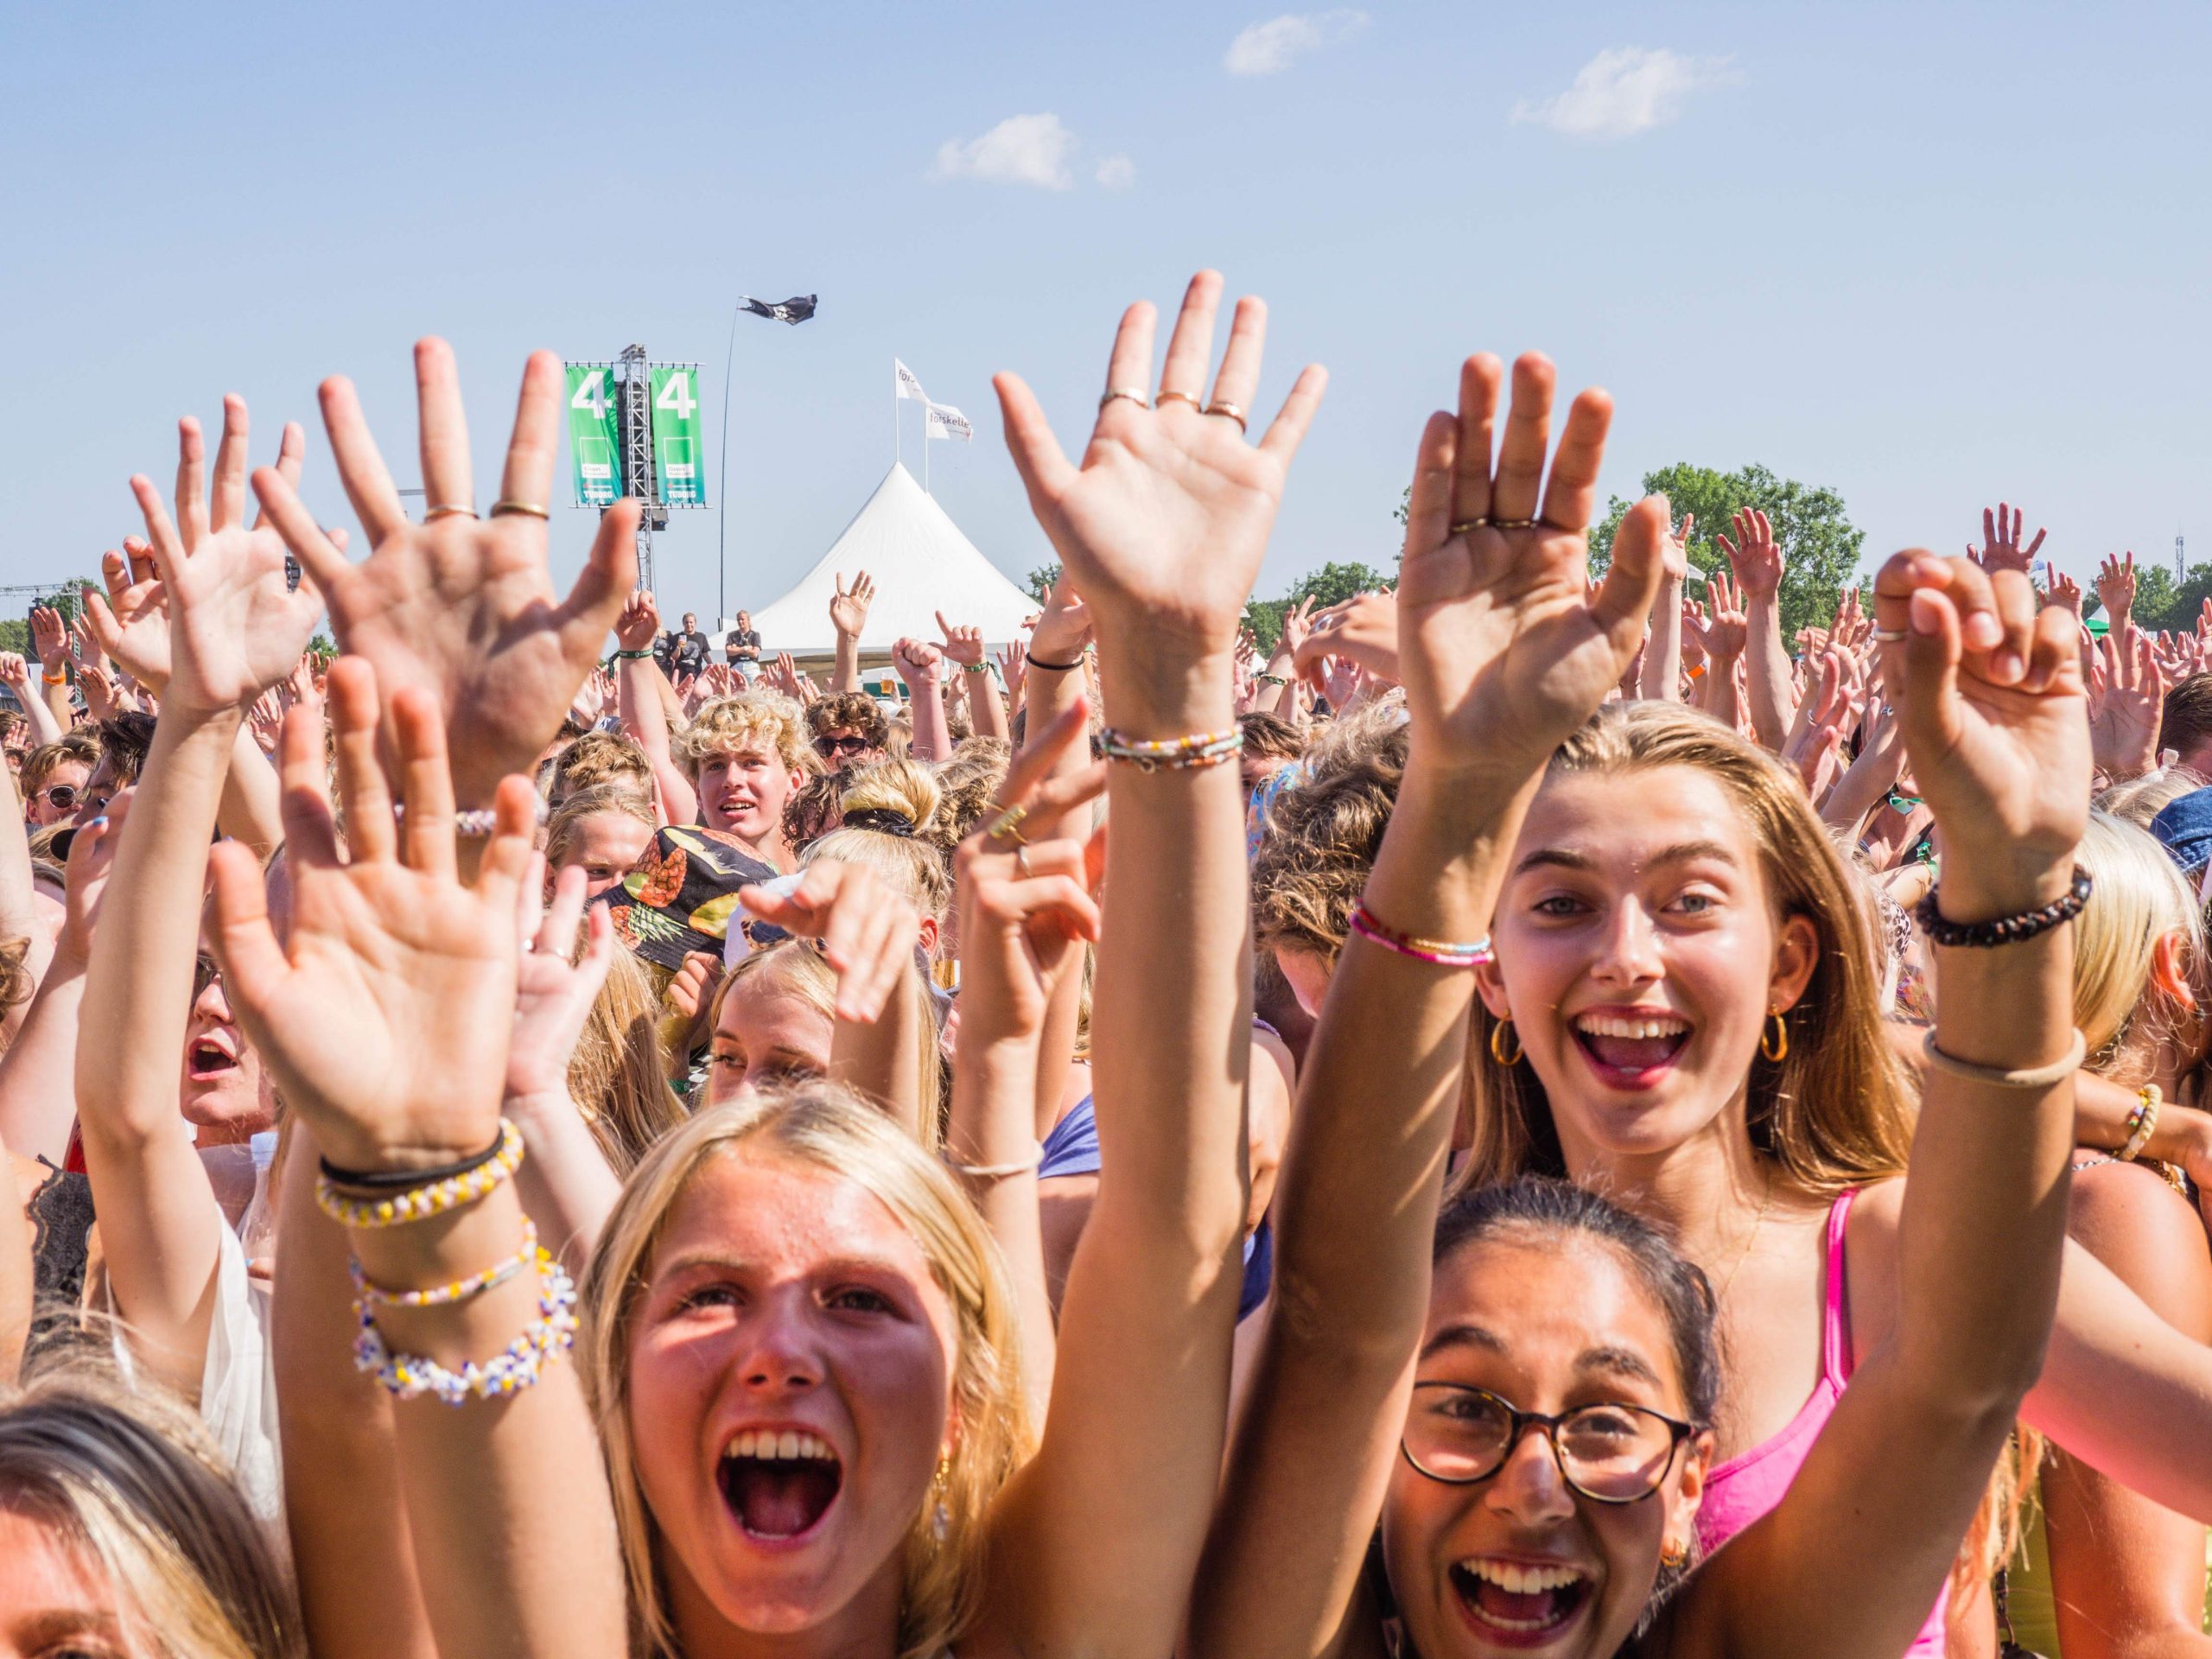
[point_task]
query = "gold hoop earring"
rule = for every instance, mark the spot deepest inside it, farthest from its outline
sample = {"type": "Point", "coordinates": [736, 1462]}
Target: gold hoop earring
{"type": "Point", "coordinates": [1673, 1553]}
{"type": "Point", "coordinates": [1777, 1049]}
{"type": "Point", "coordinates": [1499, 1034]}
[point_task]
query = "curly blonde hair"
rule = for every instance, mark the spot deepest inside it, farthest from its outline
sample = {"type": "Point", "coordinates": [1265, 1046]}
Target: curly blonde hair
{"type": "Point", "coordinates": [751, 722]}
{"type": "Point", "coordinates": [1322, 835]}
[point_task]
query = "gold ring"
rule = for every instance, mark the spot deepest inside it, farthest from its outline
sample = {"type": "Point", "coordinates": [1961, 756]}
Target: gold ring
{"type": "Point", "coordinates": [1134, 394]}
{"type": "Point", "coordinates": [1462, 526]}
{"type": "Point", "coordinates": [1514, 524]}
{"type": "Point", "coordinates": [1196, 403]}
{"type": "Point", "coordinates": [447, 510]}
{"type": "Point", "coordinates": [1232, 410]}
{"type": "Point", "coordinates": [530, 507]}
{"type": "Point", "coordinates": [1008, 826]}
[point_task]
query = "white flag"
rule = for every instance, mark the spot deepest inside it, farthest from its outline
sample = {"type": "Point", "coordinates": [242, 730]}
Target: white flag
{"type": "Point", "coordinates": [903, 382]}
{"type": "Point", "coordinates": [946, 422]}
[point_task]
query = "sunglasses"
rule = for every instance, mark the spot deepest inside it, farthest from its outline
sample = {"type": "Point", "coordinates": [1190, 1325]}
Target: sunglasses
{"type": "Point", "coordinates": [205, 972]}
{"type": "Point", "coordinates": [826, 746]}
{"type": "Point", "coordinates": [60, 797]}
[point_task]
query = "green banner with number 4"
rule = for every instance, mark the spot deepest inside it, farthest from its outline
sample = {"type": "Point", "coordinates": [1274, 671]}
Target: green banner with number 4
{"type": "Point", "coordinates": [594, 435]}
{"type": "Point", "coordinates": [678, 471]}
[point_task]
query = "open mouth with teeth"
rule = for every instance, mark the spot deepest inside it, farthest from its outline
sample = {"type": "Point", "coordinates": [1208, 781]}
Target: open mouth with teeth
{"type": "Point", "coordinates": [1630, 1051]}
{"type": "Point", "coordinates": [210, 1056]}
{"type": "Point", "coordinates": [1517, 1604]}
{"type": "Point", "coordinates": [779, 1484]}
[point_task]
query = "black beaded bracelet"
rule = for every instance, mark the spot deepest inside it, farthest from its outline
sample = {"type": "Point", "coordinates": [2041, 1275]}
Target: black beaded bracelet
{"type": "Point", "coordinates": [2005, 930]}
{"type": "Point", "coordinates": [1036, 661]}
{"type": "Point", "coordinates": [379, 1180]}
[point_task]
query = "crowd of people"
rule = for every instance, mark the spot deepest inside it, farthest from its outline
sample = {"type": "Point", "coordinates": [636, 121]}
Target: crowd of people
{"type": "Point", "coordinates": [1536, 1116]}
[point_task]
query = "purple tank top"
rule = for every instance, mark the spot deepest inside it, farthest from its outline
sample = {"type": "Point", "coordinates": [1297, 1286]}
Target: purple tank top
{"type": "Point", "coordinates": [1740, 1490]}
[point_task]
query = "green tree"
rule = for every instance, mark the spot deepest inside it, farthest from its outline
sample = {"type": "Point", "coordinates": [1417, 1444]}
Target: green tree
{"type": "Point", "coordinates": [1331, 584]}
{"type": "Point", "coordinates": [1042, 578]}
{"type": "Point", "coordinates": [1819, 547]}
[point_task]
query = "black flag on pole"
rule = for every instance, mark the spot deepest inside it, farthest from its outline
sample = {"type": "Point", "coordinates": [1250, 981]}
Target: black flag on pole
{"type": "Point", "coordinates": [796, 309]}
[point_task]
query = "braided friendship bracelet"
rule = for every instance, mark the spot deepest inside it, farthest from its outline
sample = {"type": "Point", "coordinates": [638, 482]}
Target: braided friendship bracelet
{"type": "Point", "coordinates": [1174, 754]}
{"type": "Point", "coordinates": [430, 1199]}
{"type": "Point", "coordinates": [2007, 929]}
{"type": "Point", "coordinates": [459, 1290]}
{"type": "Point", "coordinates": [544, 1339]}
{"type": "Point", "coordinates": [1443, 953]}
{"type": "Point", "coordinates": [2038, 1077]}
{"type": "Point", "coordinates": [2141, 1123]}
{"type": "Point", "coordinates": [476, 822]}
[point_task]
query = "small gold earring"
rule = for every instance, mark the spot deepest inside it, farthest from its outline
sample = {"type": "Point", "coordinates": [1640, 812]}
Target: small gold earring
{"type": "Point", "coordinates": [1498, 1034]}
{"type": "Point", "coordinates": [1777, 1049]}
{"type": "Point", "coordinates": [1673, 1553]}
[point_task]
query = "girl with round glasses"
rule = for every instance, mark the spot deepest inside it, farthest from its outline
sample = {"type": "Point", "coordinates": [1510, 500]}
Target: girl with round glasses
{"type": "Point", "coordinates": [1494, 1433]}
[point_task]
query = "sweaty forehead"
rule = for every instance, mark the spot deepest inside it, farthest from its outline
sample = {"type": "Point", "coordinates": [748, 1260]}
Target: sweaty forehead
{"type": "Point", "coordinates": [784, 1217]}
{"type": "Point", "coordinates": [1631, 819]}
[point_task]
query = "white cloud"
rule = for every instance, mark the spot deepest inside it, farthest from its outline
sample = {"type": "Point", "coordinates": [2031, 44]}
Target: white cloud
{"type": "Point", "coordinates": [1021, 149]}
{"type": "Point", "coordinates": [1625, 90]}
{"type": "Point", "coordinates": [1270, 48]}
{"type": "Point", "coordinates": [1116, 172]}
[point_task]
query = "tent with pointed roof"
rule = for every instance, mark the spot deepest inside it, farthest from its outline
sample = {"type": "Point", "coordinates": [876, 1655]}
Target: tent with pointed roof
{"type": "Point", "coordinates": [921, 564]}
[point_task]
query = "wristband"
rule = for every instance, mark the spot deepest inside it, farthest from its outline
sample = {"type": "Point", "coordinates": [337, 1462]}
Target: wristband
{"type": "Point", "coordinates": [977, 668]}
{"type": "Point", "coordinates": [1175, 753]}
{"type": "Point", "coordinates": [1035, 661]}
{"type": "Point", "coordinates": [2007, 929]}
{"type": "Point", "coordinates": [638, 655]}
{"type": "Point", "coordinates": [2040, 1077]}
{"type": "Point", "coordinates": [1265, 678]}
{"type": "Point", "coordinates": [53, 679]}
{"type": "Point", "coordinates": [1442, 953]}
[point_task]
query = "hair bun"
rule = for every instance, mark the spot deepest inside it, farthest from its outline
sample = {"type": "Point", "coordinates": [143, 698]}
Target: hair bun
{"type": "Point", "coordinates": [884, 820]}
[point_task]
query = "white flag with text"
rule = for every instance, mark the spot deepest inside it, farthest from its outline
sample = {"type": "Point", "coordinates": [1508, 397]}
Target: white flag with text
{"type": "Point", "coordinates": [946, 422]}
{"type": "Point", "coordinates": [903, 382]}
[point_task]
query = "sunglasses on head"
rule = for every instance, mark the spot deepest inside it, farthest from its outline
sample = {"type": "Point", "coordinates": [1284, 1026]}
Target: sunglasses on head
{"type": "Point", "coordinates": [848, 744]}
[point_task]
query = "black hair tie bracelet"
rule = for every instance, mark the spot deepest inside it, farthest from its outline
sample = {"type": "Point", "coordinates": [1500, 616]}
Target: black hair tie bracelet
{"type": "Point", "coordinates": [2005, 930]}
{"type": "Point", "coordinates": [379, 1180]}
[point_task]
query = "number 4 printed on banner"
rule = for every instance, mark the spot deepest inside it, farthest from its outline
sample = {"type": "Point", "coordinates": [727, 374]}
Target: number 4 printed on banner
{"type": "Point", "coordinates": [676, 395]}
{"type": "Point", "coordinates": [591, 394]}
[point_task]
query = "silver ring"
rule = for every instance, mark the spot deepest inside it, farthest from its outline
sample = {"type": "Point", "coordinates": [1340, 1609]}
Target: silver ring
{"type": "Point", "coordinates": [1890, 636]}
{"type": "Point", "coordinates": [1021, 860]}
{"type": "Point", "coordinates": [1134, 394]}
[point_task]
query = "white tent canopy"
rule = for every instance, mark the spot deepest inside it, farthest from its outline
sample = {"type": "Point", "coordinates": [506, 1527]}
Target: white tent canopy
{"type": "Point", "coordinates": [921, 564]}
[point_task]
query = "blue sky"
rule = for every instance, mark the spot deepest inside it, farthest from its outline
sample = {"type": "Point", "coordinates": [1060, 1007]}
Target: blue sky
{"type": "Point", "coordinates": [1927, 254]}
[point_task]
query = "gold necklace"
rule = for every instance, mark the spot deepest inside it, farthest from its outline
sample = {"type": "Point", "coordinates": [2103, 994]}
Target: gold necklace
{"type": "Point", "coordinates": [1745, 1255]}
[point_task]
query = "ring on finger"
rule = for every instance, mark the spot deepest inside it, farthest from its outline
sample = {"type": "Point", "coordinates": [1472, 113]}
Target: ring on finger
{"type": "Point", "coordinates": [1514, 524]}
{"type": "Point", "coordinates": [1192, 399]}
{"type": "Point", "coordinates": [1021, 860]}
{"type": "Point", "coordinates": [1008, 826]}
{"type": "Point", "coordinates": [1234, 411]}
{"type": "Point", "coordinates": [1134, 394]}
{"type": "Point", "coordinates": [528, 509]}
{"type": "Point", "coordinates": [1461, 526]}
{"type": "Point", "coordinates": [1890, 636]}
{"type": "Point", "coordinates": [447, 510]}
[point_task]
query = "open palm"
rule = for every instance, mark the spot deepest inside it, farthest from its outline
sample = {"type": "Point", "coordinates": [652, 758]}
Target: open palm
{"type": "Point", "coordinates": [1166, 519]}
{"type": "Point", "coordinates": [1503, 648]}
{"type": "Point", "coordinates": [464, 607]}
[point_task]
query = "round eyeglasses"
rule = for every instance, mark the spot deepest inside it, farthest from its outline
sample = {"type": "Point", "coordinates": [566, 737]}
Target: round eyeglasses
{"type": "Point", "coordinates": [1612, 1453]}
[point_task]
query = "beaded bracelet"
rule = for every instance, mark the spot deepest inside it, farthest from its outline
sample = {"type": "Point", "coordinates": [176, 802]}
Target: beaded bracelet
{"type": "Point", "coordinates": [531, 1253]}
{"type": "Point", "coordinates": [544, 1339]}
{"type": "Point", "coordinates": [1443, 953]}
{"type": "Point", "coordinates": [2141, 1123]}
{"type": "Point", "coordinates": [432, 1198]}
{"type": "Point", "coordinates": [477, 822]}
{"type": "Point", "coordinates": [1172, 753]}
{"type": "Point", "coordinates": [2007, 929]}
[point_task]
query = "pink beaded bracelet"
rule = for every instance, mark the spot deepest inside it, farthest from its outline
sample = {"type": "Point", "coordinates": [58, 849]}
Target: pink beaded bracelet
{"type": "Point", "coordinates": [1442, 953]}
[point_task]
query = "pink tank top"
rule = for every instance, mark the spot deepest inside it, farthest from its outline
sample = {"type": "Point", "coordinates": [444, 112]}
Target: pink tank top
{"type": "Point", "coordinates": [1740, 1490]}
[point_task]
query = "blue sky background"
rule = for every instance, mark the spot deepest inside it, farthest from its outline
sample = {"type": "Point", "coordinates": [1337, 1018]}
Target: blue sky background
{"type": "Point", "coordinates": [1927, 254]}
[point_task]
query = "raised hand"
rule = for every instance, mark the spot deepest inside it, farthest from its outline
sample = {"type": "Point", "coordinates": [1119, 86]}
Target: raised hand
{"type": "Point", "coordinates": [385, 1014]}
{"type": "Point", "coordinates": [1362, 631]}
{"type": "Point", "coordinates": [460, 607]}
{"type": "Point", "coordinates": [919, 663]}
{"type": "Point", "coordinates": [1296, 625]}
{"type": "Point", "coordinates": [1014, 673]}
{"type": "Point", "coordinates": [1753, 555]}
{"type": "Point", "coordinates": [102, 699]}
{"type": "Point", "coordinates": [1162, 526]}
{"type": "Point", "coordinates": [2116, 587]}
{"type": "Point", "coordinates": [15, 674]}
{"type": "Point", "coordinates": [1502, 649]}
{"type": "Point", "coordinates": [963, 645]}
{"type": "Point", "coordinates": [266, 720]}
{"type": "Point", "coordinates": [849, 608]}
{"type": "Point", "coordinates": [1995, 727]}
{"type": "Point", "coordinates": [2062, 590]}
{"type": "Point", "coordinates": [2001, 542]}
{"type": "Point", "coordinates": [50, 636]}
{"type": "Point", "coordinates": [233, 628]}
{"type": "Point", "coordinates": [1063, 628]}
{"type": "Point", "coordinates": [1674, 551]}
{"type": "Point", "coordinates": [638, 625]}
{"type": "Point", "coordinates": [554, 995]}
{"type": "Point", "coordinates": [2128, 695]}
{"type": "Point", "coordinates": [1730, 630]}
{"type": "Point", "coordinates": [867, 931]}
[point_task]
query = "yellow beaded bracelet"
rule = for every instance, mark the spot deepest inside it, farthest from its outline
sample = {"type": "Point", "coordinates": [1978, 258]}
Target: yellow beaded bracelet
{"type": "Point", "coordinates": [420, 1203]}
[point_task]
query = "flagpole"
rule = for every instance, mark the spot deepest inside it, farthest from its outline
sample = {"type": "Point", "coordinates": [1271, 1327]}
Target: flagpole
{"type": "Point", "coordinates": [722, 518]}
{"type": "Point", "coordinates": [925, 446]}
{"type": "Point", "coordinates": [897, 454]}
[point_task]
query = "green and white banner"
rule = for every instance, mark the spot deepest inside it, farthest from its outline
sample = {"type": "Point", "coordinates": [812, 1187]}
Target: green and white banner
{"type": "Point", "coordinates": [679, 470]}
{"type": "Point", "coordinates": [594, 435]}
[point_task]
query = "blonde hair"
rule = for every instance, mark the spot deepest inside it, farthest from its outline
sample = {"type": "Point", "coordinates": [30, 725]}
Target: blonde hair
{"type": "Point", "coordinates": [794, 968]}
{"type": "Point", "coordinates": [617, 1074]}
{"type": "Point", "coordinates": [2141, 799]}
{"type": "Point", "coordinates": [1835, 1113]}
{"type": "Point", "coordinates": [598, 759]}
{"type": "Point", "coordinates": [1322, 834]}
{"type": "Point", "coordinates": [2141, 899]}
{"type": "Point", "coordinates": [968, 786]}
{"type": "Point", "coordinates": [911, 864]}
{"type": "Point", "coordinates": [129, 1477]}
{"type": "Point", "coordinates": [825, 1127]}
{"type": "Point", "coordinates": [751, 722]}
{"type": "Point", "coordinates": [566, 827]}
